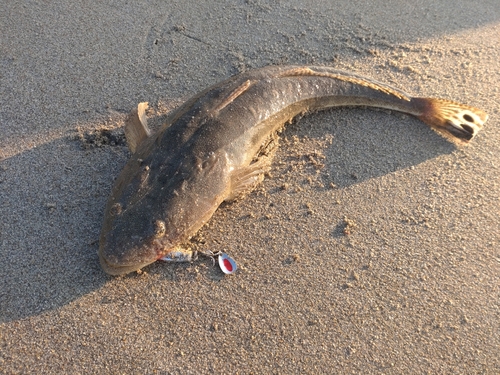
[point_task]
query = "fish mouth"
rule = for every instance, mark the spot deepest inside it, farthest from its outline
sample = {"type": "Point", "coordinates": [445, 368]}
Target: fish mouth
{"type": "Point", "coordinates": [117, 263]}
{"type": "Point", "coordinates": [122, 269]}
{"type": "Point", "coordinates": [122, 258]}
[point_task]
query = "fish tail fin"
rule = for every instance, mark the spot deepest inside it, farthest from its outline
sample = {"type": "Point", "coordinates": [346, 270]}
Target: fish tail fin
{"type": "Point", "coordinates": [458, 123]}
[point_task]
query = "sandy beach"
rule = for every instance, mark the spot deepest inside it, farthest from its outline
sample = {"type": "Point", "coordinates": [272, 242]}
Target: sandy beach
{"type": "Point", "coordinates": [371, 248]}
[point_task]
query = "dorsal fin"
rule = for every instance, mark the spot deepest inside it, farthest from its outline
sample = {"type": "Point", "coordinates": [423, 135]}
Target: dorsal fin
{"type": "Point", "coordinates": [347, 77]}
{"type": "Point", "coordinates": [136, 126]}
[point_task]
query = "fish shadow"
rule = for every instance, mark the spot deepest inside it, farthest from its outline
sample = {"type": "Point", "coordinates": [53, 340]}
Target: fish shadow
{"type": "Point", "coordinates": [52, 201]}
{"type": "Point", "coordinates": [366, 144]}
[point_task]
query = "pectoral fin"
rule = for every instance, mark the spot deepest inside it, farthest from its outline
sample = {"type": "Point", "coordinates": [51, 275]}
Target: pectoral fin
{"type": "Point", "coordinates": [246, 179]}
{"type": "Point", "coordinates": [136, 127]}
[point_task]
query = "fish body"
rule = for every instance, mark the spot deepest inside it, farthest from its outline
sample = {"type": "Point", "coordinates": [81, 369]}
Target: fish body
{"type": "Point", "coordinates": [217, 146]}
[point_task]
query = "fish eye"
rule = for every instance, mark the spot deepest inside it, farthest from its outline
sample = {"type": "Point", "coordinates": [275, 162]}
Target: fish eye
{"type": "Point", "coordinates": [159, 228]}
{"type": "Point", "coordinates": [116, 209]}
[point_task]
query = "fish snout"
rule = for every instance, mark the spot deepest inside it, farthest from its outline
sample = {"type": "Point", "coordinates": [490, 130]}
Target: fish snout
{"type": "Point", "coordinates": [121, 251]}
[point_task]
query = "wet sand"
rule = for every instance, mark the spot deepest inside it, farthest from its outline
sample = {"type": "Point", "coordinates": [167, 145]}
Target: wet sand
{"type": "Point", "coordinates": [412, 288]}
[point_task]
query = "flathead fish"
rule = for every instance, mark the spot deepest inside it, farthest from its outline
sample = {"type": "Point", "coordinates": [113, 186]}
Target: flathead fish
{"type": "Point", "coordinates": [217, 146]}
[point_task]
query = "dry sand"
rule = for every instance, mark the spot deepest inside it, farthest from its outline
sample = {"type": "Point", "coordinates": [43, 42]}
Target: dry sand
{"type": "Point", "coordinates": [414, 288]}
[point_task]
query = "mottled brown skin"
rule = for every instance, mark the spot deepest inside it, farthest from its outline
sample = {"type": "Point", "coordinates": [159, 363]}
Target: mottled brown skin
{"type": "Point", "coordinates": [210, 150]}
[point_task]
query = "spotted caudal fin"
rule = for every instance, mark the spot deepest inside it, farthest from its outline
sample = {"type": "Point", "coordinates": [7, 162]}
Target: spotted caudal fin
{"type": "Point", "coordinates": [457, 122]}
{"type": "Point", "coordinates": [136, 126]}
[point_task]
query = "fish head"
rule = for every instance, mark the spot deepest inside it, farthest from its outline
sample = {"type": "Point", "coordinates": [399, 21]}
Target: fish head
{"type": "Point", "coordinates": [130, 240]}
{"type": "Point", "coordinates": [156, 207]}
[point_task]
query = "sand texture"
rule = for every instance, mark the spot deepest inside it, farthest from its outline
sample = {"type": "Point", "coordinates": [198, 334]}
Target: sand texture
{"type": "Point", "coordinates": [371, 248]}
